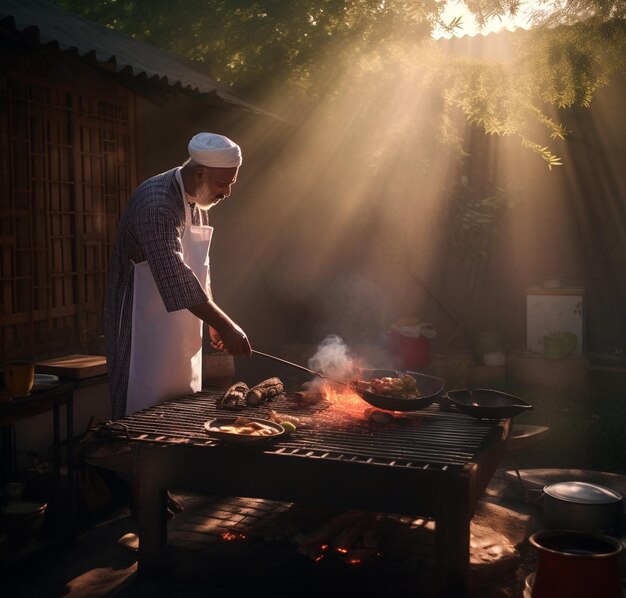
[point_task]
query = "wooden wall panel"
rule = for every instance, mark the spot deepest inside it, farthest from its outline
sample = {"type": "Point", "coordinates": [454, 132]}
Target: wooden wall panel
{"type": "Point", "coordinates": [67, 155]}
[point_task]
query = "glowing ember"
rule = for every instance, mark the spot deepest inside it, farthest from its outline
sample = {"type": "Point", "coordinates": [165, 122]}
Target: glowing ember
{"type": "Point", "coordinates": [230, 536]}
{"type": "Point", "coordinates": [342, 550]}
{"type": "Point", "coordinates": [354, 561]}
{"type": "Point", "coordinates": [318, 558]}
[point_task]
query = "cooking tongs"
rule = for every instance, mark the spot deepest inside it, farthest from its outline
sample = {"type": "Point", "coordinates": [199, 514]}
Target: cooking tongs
{"type": "Point", "coordinates": [429, 388]}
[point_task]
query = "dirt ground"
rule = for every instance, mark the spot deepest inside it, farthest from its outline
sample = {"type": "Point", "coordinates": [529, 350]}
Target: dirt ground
{"type": "Point", "coordinates": [260, 563]}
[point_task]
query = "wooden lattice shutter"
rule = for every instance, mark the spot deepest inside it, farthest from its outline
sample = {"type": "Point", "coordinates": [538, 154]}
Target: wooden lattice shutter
{"type": "Point", "coordinates": [67, 155]}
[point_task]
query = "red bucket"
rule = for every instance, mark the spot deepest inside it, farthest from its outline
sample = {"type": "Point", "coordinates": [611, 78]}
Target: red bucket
{"type": "Point", "coordinates": [576, 565]}
{"type": "Point", "coordinates": [409, 352]}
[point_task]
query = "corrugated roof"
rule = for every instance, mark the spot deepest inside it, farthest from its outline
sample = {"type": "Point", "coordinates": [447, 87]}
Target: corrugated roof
{"type": "Point", "coordinates": [500, 45]}
{"type": "Point", "coordinates": [72, 32]}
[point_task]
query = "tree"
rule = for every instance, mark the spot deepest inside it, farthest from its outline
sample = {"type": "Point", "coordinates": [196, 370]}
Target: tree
{"type": "Point", "coordinates": [309, 49]}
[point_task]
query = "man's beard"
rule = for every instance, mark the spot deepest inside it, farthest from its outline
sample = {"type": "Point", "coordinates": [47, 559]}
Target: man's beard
{"type": "Point", "coordinates": [208, 204]}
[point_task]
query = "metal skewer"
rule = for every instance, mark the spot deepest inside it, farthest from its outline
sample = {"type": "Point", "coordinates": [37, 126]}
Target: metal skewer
{"type": "Point", "coordinates": [301, 367]}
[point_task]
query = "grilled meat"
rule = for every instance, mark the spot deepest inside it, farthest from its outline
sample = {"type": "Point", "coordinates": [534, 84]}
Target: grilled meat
{"type": "Point", "coordinates": [234, 397]}
{"type": "Point", "coordinates": [265, 391]}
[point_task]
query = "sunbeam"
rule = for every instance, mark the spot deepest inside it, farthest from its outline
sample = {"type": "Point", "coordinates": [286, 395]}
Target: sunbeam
{"type": "Point", "coordinates": [383, 201]}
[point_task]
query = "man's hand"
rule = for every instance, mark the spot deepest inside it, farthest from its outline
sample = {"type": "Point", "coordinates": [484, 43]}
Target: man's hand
{"type": "Point", "coordinates": [233, 339]}
{"type": "Point", "coordinates": [225, 334]}
{"type": "Point", "coordinates": [216, 340]}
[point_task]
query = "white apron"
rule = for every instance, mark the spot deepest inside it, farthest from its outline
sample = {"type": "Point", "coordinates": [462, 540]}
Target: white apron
{"type": "Point", "coordinates": [166, 347]}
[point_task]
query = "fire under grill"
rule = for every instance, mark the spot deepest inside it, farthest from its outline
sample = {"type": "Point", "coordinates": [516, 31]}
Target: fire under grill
{"type": "Point", "coordinates": [420, 440]}
{"type": "Point", "coordinates": [430, 463]}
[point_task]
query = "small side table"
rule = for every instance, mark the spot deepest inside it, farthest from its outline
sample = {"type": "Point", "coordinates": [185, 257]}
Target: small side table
{"type": "Point", "coordinates": [35, 404]}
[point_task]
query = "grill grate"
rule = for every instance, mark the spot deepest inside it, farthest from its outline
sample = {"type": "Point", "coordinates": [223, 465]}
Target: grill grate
{"type": "Point", "coordinates": [427, 439]}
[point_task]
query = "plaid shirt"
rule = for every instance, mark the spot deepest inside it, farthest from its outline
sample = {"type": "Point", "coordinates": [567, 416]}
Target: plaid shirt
{"type": "Point", "coordinates": [151, 229]}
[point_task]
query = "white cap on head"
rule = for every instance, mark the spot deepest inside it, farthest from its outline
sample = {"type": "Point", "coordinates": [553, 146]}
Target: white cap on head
{"type": "Point", "coordinates": [216, 151]}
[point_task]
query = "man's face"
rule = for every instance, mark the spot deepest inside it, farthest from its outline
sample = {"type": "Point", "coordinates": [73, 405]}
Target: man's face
{"type": "Point", "coordinates": [213, 185]}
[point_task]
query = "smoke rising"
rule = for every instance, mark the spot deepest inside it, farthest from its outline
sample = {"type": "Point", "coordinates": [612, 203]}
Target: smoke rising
{"type": "Point", "coordinates": [333, 359]}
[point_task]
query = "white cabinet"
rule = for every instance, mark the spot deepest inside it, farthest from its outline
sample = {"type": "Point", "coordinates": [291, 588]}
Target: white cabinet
{"type": "Point", "coordinates": [554, 310]}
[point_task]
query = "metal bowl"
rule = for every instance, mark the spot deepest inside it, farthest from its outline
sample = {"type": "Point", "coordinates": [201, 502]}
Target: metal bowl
{"type": "Point", "coordinates": [487, 403]}
{"type": "Point", "coordinates": [45, 381]}
{"type": "Point", "coordinates": [23, 519]}
{"type": "Point", "coordinates": [429, 388]}
{"type": "Point", "coordinates": [582, 506]}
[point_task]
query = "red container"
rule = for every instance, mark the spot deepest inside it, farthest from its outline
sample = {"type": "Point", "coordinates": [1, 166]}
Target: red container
{"type": "Point", "coordinates": [409, 352]}
{"type": "Point", "coordinates": [576, 565]}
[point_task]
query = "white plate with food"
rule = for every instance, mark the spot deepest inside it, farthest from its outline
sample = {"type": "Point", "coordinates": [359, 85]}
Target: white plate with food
{"type": "Point", "coordinates": [243, 430]}
{"type": "Point", "coordinates": [45, 381]}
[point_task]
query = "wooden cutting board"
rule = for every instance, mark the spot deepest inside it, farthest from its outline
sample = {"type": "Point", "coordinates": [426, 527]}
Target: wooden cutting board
{"type": "Point", "coordinates": [75, 367]}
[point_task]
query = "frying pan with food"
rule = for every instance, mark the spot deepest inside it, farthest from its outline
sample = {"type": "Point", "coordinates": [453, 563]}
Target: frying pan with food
{"type": "Point", "coordinates": [428, 387]}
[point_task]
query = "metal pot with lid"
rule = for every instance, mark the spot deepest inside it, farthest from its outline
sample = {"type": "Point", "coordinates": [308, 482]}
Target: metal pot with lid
{"type": "Point", "coordinates": [582, 506]}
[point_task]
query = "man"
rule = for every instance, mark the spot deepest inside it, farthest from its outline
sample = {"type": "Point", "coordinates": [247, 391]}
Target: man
{"type": "Point", "coordinates": [158, 291]}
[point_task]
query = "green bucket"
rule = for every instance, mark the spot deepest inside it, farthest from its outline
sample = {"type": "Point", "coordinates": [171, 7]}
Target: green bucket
{"type": "Point", "coordinates": [559, 345]}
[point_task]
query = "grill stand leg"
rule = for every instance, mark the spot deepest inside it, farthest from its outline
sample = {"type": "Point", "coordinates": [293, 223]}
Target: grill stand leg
{"type": "Point", "coordinates": [152, 516]}
{"type": "Point", "coordinates": [452, 537]}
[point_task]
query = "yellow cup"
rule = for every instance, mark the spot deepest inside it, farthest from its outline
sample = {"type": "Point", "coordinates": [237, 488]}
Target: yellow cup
{"type": "Point", "coordinates": [19, 377]}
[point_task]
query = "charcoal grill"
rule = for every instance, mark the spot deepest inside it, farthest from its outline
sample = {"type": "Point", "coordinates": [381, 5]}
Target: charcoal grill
{"type": "Point", "coordinates": [427, 463]}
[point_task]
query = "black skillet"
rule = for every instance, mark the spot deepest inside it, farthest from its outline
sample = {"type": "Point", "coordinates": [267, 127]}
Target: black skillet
{"type": "Point", "coordinates": [487, 403]}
